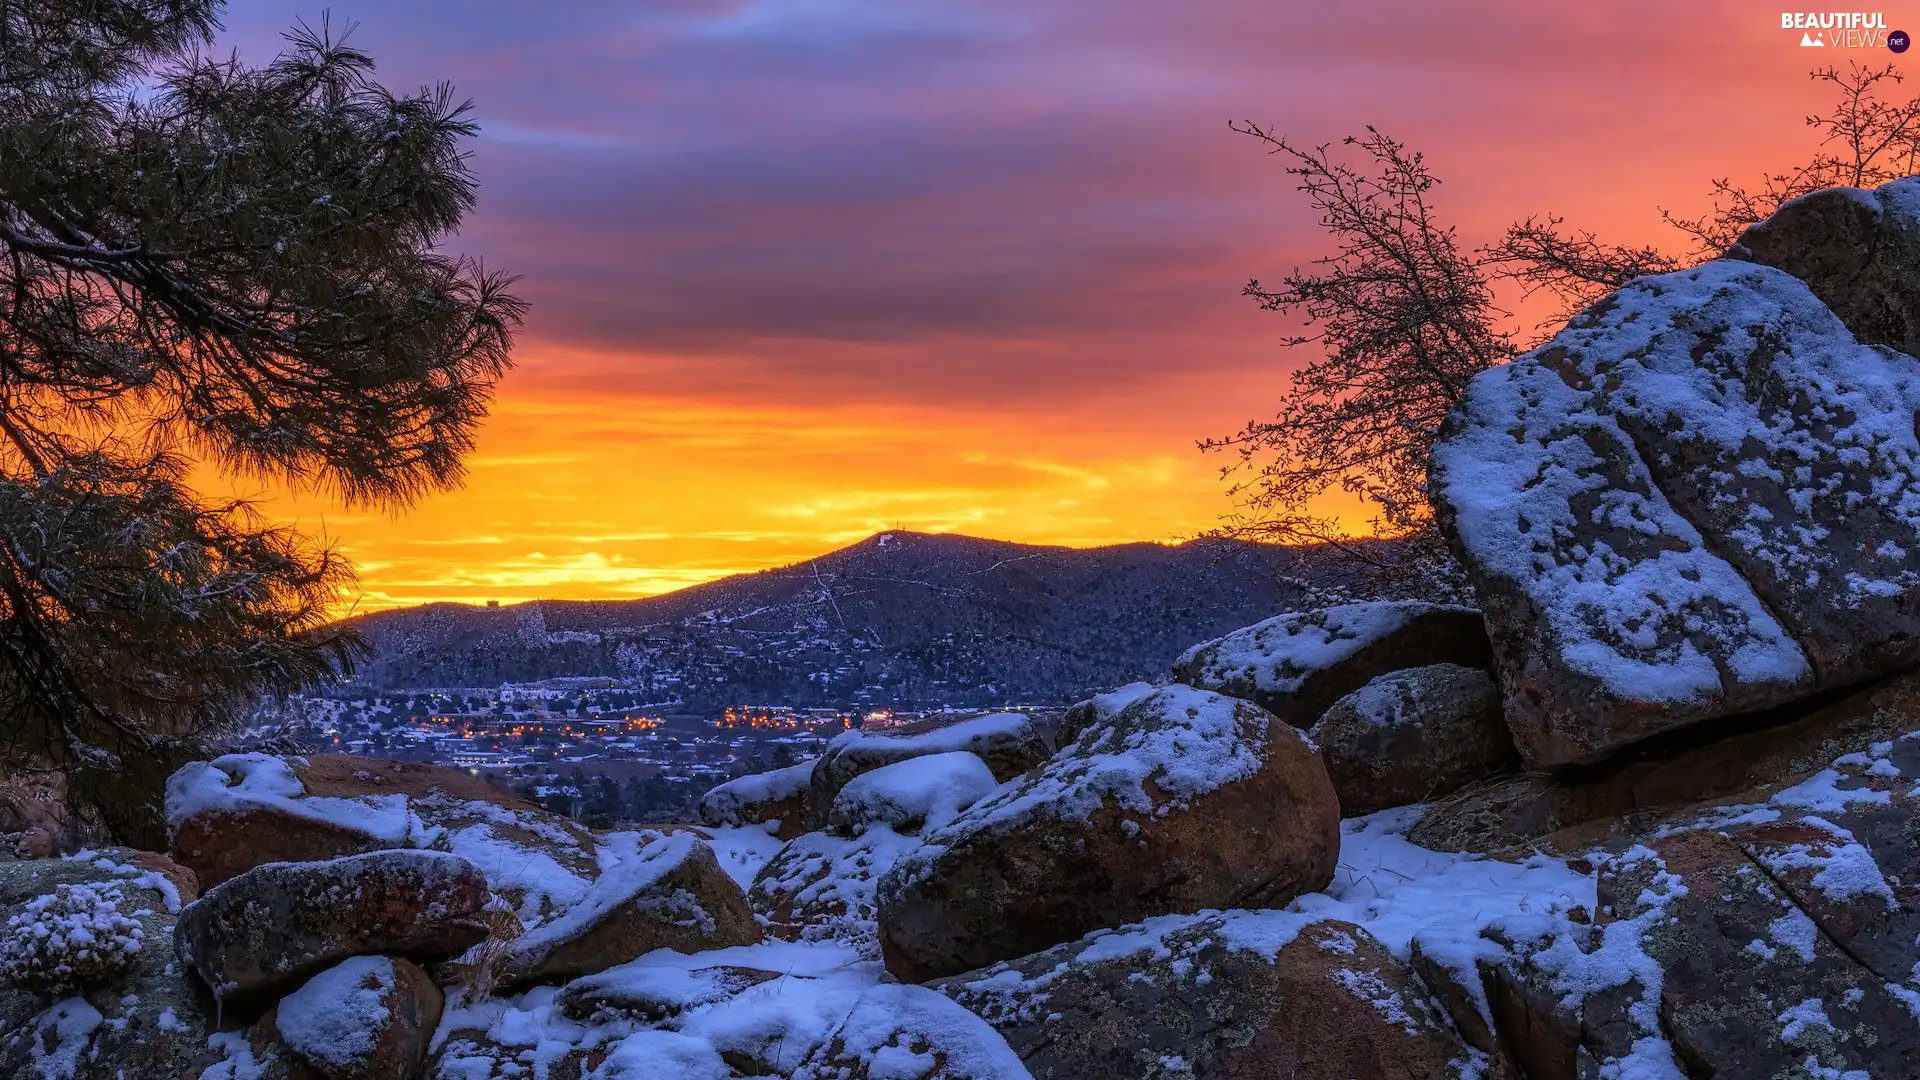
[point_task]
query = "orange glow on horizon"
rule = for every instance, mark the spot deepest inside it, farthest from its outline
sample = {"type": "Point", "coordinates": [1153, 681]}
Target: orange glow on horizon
{"type": "Point", "coordinates": [1038, 394]}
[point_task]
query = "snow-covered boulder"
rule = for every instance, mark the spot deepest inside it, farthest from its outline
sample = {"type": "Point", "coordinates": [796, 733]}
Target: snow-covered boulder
{"type": "Point", "coordinates": [909, 795]}
{"type": "Point", "coordinates": [366, 1018]}
{"type": "Point", "coordinates": [663, 891]}
{"type": "Point", "coordinates": [1412, 736]}
{"type": "Point", "coordinates": [897, 1032]}
{"type": "Point", "coordinates": [1296, 665]}
{"type": "Point", "coordinates": [1236, 993]}
{"type": "Point", "coordinates": [778, 797]}
{"type": "Point", "coordinates": [145, 1023]}
{"type": "Point", "coordinates": [1007, 742]}
{"type": "Point", "coordinates": [1859, 251]}
{"type": "Point", "coordinates": [1701, 498]}
{"type": "Point", "coordinates": [821, 887]}
{"type": "Point", "coordinates": [255, 936]}
{"type": "Point", "coordinates": [1184, 800]}
{"type": "Point", "coordinates": [1098, 709]}
{"type": "Point", "coordinates": [237, 812]}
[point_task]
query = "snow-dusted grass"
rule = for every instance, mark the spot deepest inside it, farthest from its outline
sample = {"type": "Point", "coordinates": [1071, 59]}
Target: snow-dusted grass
{"type": "Point", "coordinates": [72, 938]}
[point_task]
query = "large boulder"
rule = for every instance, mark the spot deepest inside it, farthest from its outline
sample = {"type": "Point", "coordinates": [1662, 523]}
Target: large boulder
{"type": "Point", "coordinates": [240, 811]}
{"type": "Point", "coordinates": [256, 936]}
{"type": "Point", "coordinates": [1297, 665]}
{"type": "Point", "coordinates": [245, 810]}
{"type": "Point", "coordinates": [778, 797]}
{"type": "Point", "coordinates": [1413, 735]}
{"type": "Point", "coordinates": [1007, 742]}
{"type": "Point", "coordinates": [1859, 251]}
{"type": "Point", "coordinates": [1700, 499]}
{"type": "Point", "coordinates": [366, 1018]}
{"type": "Point", "coordinates": [1184, 800]}
{"type": "Point", "coordinates": [1226, 994]}
{"type": "Point", "coordinates": [667, 891]}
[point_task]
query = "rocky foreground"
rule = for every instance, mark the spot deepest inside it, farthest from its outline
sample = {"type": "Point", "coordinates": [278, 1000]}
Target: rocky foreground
{"type": "Point", "coordinates": [1650, 812]}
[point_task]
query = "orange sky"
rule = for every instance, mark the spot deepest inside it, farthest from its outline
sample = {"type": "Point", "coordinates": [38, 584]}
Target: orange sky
{"type": "Point", "coordinates": [803, 271]}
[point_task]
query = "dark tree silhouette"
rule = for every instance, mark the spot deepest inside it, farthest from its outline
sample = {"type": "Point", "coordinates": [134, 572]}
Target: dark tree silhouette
{"type": "Point", "coordinates": [1403, 317]}
{"type": "Point", "coordinates": [205, 261]}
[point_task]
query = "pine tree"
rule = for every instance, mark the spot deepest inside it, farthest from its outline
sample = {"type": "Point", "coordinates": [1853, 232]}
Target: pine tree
{"type": "Point", "coordinates": [202, 261]}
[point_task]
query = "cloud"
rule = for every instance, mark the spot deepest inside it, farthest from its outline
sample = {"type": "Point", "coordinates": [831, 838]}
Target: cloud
{"type": "Point", "coordinates": [762, 235]}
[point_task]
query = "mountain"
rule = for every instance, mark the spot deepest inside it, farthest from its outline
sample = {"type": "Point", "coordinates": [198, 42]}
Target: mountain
{"type": "Point", "coordinates": [901, 618]}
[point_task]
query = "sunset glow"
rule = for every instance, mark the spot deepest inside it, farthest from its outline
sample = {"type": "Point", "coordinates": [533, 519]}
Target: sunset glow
{"type": "Point", "coordinates": [804, 270]}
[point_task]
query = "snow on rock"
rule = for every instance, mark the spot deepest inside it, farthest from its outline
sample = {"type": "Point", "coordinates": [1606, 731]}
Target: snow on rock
{"type": "Point", "coordinates": [654, 891]}
{"type": "Point", "coordinates": [334, 1019]}
{"type": "Point", "coordinates": [767, 1007]}
{"type": "Point", "coordinates": [918, 792]}
{"type": "Point", "coordinates": [368, 1016]}
{"type": "Point", "coordinates": [1184, 800]}
{"type": "Point", "coordinates": [1298, 664]}
{"type": "Point", "coordinates": [1702, 497]}
{"type": "Point", "coordinates": [912, 1033]}
{"type": "Point", "coordinates": [1412, 736]}
{"type": "Point", "coordinates": [653, 992]}
{"type": "Point", "coordinates": [1098, 709]}
{"type": "Point", "coordinates": [1302, 994]}
{"type": "Point", "coordinates": [1773, 938]}
{"type": "Point", "coordinates": [777, 797]}
{"type": "Point", "coordinates": [1007, 742]}
{"type": "Point", "coordinates": [1857, 250]}
{"type": "Point", "coordinates": [821, 887]}
{"type": "Point", "coordinates": [207, 802]}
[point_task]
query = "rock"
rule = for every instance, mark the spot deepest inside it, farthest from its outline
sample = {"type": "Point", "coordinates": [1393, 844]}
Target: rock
{"type": "Point", "coordinates": [255, 936]}
{"type": "Point", "coordinates": [366, 1018]}
{"type": "Point", "coordinates": [1225, 994]}
{"type": "Point", "coordinates": [1623, 798]}
{"type": "Point", "coordinates": [1184, 800]}
{"type": "Point", "coordinates": [1007, 742]}
{"type": "Point", "coordinates": [666, 892]}
{"type": "Point", "coordinates": [907, 795]}
{"type": "Point", "coordinates": [777, 796]}
{"type": "Point", "coordinates": [1296, 666]}
{"type": "Point", "coordinates": [653, 993]}
{"type": "Point", "coordinates": [1413, 735]}
{"type": "Point", "coordinates": [822, 887]}
{"type": "Point", "coordinates": [895, 1032]}
{"type": "Point", "coordinates": [1773, 939]}
{"type": "Point", "coordinates": [245, 810]}
{"type": "Point", "coordinates": [146, 1024]}
{"type": "Point", "coordinates": [1859, 251]}
{"type": "Point", "coordinates": [705, 1021]}
{"type": "Point", "coordinates": [1098, 710]}
{"type": "Point", "coordinates": [1698, 500]}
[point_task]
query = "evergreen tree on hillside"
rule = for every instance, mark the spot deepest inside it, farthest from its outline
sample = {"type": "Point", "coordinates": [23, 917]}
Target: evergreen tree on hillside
{"type": "Point", "coordinates": [202, 261]}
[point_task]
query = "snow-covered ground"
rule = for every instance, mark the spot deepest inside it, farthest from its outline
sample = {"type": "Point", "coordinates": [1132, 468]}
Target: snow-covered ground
{"type": "Point", "coordinates": [1394, 889]}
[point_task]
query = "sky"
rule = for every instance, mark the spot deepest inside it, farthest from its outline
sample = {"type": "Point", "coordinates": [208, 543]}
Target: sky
{"type": "Point", "coordinates": [804, 270]}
